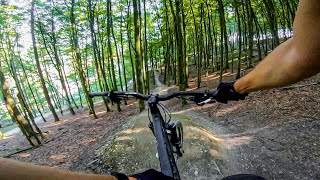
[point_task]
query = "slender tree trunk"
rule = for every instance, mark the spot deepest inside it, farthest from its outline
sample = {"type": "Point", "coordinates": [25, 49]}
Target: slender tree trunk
{"type": "Point", "coordinates": [136, 23]}
{"type": "Point", "coordinates": [266, 48]}
{"type": "Point", "coordinates": [258, 30]}
{"type": "Point", "coordinates": [68, 85]}
{"type": "Point", "coordinates": [215, 44]}
{"type": "Point", "coordinates": [167, 56]}
{"type": "Point", "coordinates": [45, 90]}
{"type": "Point", "coordinates": [222, 25]}
{"type": "Point", "coordinates": [272, 19]}
{"type": "Point", "coordinates": [224, 33]}
{"type": "Point", "coordinates": [134, 82]}
{"type": "Point", "coordinates": [34, 97]}
{"type": "Point", "coordinates": [96, 53]}
{"type": "Point", "coordinates": [210, 37]}
{"type": "Point", "coordinates": [250, 29]}
{"type": "Point", "coordinates": [52, 90]}
{"type": "Point", "coordinates": [181, 61]}
{"type": "Point", "coordinates": [179, 41]}
{"type": "Point", "coordinates": [76, 51]}
{"type": "Point", "coordinates": [147, 83]}
{"type": "Point", "coordinates": [117, 53]}
{"type": "Point", "coordinates": [58, 61]}
{"type": "Point", "coordinates": [123, 62]}
{"type": "Point", "coordinates": [198, 48]}
{"type": "Point", "coordinates": [239, 38]}
{"type": "Point", "coordinates": [109, 24]}
{"type": "Point", "coordinates": [15, 114]}
{"type": "Point", "coordinates": [22, 99]}
{"type": "Point", "coordinates": [185, 45]}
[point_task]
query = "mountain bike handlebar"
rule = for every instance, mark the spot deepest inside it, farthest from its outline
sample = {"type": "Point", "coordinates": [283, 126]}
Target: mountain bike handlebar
{"type": "Point", "coordinates": [197, 95]}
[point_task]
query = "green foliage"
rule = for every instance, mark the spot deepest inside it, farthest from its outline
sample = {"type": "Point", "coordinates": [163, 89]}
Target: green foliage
{"type": "Point", "coordinates": [15, 47]}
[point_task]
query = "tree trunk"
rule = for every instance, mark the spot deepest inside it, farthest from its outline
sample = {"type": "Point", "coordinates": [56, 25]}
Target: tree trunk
{"type": "Point", "coordinates": [22, 99]}
{"type": "Point", "coordinates": [136, 23]}
{"type": "Point", "coordinates": [179, 40]}
{"type": "Point", "coordinates": [96, 54]}
{"type": "Point", "coordinates": [76, 51]}
{"type": "Point", "coordinates": [198, 48]}
{"type": "Point", "coordinates": [272, 20]}
{"type": "Point", "coordinates": [123, 62]}
{"type": "Point", "coordinates": [109, 24]}
{"type": "Point", "coordinates": [15, 114]}
{"type": "Point", "coordinates": [146, 68]}
{"type": "Point", "coordinates": [30, 88]}
{"type": "Point", "coordinates": [58, 61]}
{"type": "Point", "coordinates": [45, 90]}
{"type": "Point", "coordinates": [210, 37]}
{"type": "Point", "coordinates": [250, 29]}
{"type": "Point", "coordinates": [224, 33]}
{"type": "Point", "coordinates": [134, 82]}
{"type": "Point", "coordinates": [222, 25]}
{"type": "Point", "coordinates": [239, 38]}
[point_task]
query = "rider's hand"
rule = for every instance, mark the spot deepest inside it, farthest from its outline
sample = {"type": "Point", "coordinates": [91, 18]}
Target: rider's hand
{"type": "Point", "coordinates": [151, 174]}
{"type": "Point", "coordinates": [226, 92]}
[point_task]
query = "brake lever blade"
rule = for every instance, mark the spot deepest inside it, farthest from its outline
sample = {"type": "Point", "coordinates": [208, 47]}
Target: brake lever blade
{"type": "Point", "coordinates": [207, 101]}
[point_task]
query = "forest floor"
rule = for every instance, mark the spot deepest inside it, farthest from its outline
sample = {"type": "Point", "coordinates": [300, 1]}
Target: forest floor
{"type": "Point", "coordinates": [67, 139]}
{"type": "Point", "coordinates": [273, 133]}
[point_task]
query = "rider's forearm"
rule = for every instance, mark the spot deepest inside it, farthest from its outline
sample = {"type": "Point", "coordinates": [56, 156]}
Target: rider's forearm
{"type": "Point", "coordinates": [292, 61]}
{"type": "Point", "coordinates": [15, 170]}
{"type": "Point", "coordinates": [285, 65]}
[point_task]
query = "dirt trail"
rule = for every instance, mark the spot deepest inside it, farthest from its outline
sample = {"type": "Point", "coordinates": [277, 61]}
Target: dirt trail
{"type": "Point", "coordinates": [132, 148]}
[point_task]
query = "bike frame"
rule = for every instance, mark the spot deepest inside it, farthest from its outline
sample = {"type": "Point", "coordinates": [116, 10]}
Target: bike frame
{"type": "Point", "coordinates": [167, 161]}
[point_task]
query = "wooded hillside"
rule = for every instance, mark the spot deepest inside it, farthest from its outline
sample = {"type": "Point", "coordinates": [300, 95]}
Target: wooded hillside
{"type": "Point", "coordinates": [52, 53]}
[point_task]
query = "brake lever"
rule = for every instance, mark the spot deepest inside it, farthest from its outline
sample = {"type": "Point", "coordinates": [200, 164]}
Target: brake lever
{"type": "Point", "coordinates": [207, 101]}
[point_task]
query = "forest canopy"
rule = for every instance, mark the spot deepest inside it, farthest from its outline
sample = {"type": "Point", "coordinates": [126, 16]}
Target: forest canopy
{"type": "Point", "coordinates": [52, 53]}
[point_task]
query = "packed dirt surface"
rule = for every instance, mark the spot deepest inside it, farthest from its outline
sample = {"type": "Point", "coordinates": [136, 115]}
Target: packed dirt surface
{"type": "Point", "coordinates": [273, 133]}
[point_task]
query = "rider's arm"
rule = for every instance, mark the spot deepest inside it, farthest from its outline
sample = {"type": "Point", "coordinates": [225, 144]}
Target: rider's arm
{"type": "Point", "coordinates": [295, 59]}
{"type": "Point", "coordinates": [14, 170]}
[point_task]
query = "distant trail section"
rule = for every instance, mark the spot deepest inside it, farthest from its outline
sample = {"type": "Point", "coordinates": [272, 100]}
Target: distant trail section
{"type": "Point", "coordinates": [159, 88]}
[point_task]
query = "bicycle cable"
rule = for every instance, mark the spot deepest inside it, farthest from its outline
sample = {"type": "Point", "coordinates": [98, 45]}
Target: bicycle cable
{"type": "Point", "coordinates": [149, 115]}
{"type": "Point", "coordinates": [166, 112]}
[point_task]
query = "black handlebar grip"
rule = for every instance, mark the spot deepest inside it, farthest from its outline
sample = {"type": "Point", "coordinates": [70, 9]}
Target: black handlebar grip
{"type": "Point", "coordinates": [93, 94]}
